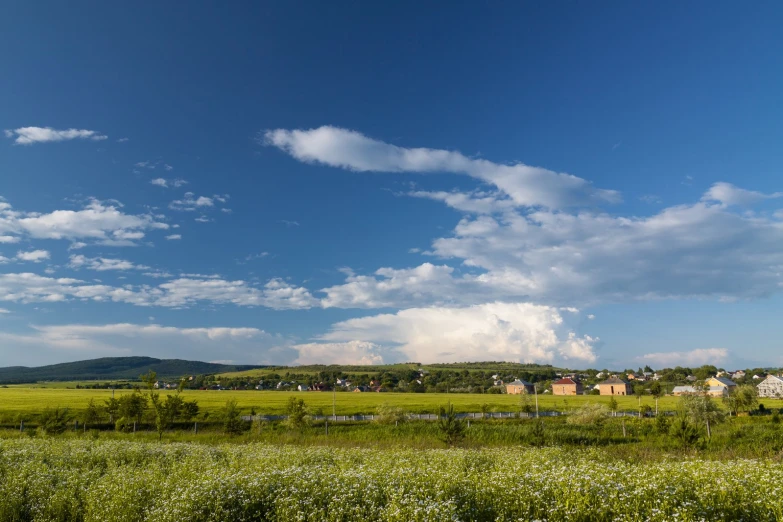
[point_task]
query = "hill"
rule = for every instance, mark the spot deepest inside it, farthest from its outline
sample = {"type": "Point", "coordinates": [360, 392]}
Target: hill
{"type": "Point", "coordinates": [114, 368]}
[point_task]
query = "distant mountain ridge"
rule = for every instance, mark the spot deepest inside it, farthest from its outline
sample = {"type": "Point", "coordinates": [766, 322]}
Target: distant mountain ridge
{"type": "Point", "coordinates": [114, 368]}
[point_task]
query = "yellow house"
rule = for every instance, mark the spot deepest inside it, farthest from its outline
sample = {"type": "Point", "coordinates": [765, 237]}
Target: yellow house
{"type": "Point", "coordinates": [519, 387]}
{"type": "Point", "coordinates": [614, 386]}
{"type": "Point", "coordinates": [724, 382]}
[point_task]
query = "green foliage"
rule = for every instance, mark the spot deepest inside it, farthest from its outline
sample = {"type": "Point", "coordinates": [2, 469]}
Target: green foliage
{"type": "Point", "coordinates": [684, 432]}
{"type": "Point", "coordinates": [656, 390]}
{"type": "Point", "coordinates": [91, 414]}
{"type": "Point", "coordinates": [231, 417]}
{"type": "Point", "coordinates": [296, 409]}
{"type": "Point", "coordinates": [589, 414]}
{"type": "Point", "coordinates": [387, 414]}
{"type": "Point", "coordinates": [54, 421]}
{"type": "Point", "coordinates": [451, 427]}
{"type": "Point", "coordinates": [612, 403]}
{"type": "Point", "coordinates": [662, 424]}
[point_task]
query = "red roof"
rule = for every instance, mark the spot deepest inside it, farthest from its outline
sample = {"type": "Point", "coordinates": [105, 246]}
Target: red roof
{"type": "Point", "coordinates": [565, 380]}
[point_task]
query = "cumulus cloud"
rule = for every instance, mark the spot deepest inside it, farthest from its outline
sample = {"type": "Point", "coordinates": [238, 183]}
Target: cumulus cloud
{"type": "Point", "coordinates": [100, 222]}
{"type": "Point", "coordinates": [71, 341]}
{"type": "Point", "coordinates": [9, 239]}
{"type": "Point", "coordinates": [351, 352]}
{"type": "Point", "coordinates": [688, 359]}
{"type": "Point", "coordinates": [521, 332]}
{"type": "Point", "coordinates": [31, 135]}
{"type": "Point", "coordinates": [525, 185]}
{"type": "Point", "coordinates": [35, 256]}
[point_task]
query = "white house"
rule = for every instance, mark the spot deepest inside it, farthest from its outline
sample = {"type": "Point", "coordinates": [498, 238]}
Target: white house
{"type": "Point", "coordinates": [771, 387]}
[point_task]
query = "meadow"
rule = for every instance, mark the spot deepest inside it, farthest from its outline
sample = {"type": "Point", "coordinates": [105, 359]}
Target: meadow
{"type": "Point", "coordinates": [97, 480]}
{"type": "Point", "coordinates": [31, 399]}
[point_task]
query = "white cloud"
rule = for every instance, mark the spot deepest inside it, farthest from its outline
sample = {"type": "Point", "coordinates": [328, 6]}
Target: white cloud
{"type": "Point", "coordinates": [123, 140]}
{"type": "Point", "coordinates": [191, 202]}
{"type": "Point", "coordinates": [167, 166]}
{"type": "Point", "coordinates": [9, 239]}
{"type": "Point", "coordinates": [174, 237]}
{"type": "Point", "coordinates": [182, 292]}
{"type": "Point", "coordinates": [36, 256]}
{"type": "Point", "coordinates": [519, 332]}
{"type": "Point", "coordinates": [4, 311]}
{"type": "Point", "coordinates": [351, 352]}
{"type": "Point", "coordinates": [146, 164]}
{"type": "Point", "coordinates": [730, 195]}
{"type": "Point", "coordinates": [203, 219]}
{"type": "Point", "coordinates": [525, 185]}
{"type": "Point", "coordinates": [163, 182]}
{"type": "Point", "coordinates": [478, 202]}
{"type": "Point", "coordinates": [70, 341]}
{"type": "Point", "coordinates": [102, 264]}
{"type": "Point", "coordinates": [690, 359]}
{"type": "Point", "coordinates": [101, 222]}
{"type": "Point", "coordinates": [30, 135]}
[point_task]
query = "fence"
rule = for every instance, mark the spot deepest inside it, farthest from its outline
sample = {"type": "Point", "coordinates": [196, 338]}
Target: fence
{"type": "Point", "coordinates": [434, 416]}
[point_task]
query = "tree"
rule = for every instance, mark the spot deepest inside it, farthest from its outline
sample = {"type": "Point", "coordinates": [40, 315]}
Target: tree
{"type": "Point", "coordinates": [54, 421]}
{"type": "Point", "coordinates": [91, 414]}
{"type": "Point", "coordinates": [612, 403]}
{"type": "Point", "coordinates": [656, 390]}
{"type": "Point", "coordinates": [743, 398]}
{"type": "Point", "coordinates": [684, 432]}
{"type": "Point", "coordinates": [387, 414]}
{"type": "Point", "coordinates": [451, 427]}
{"type": "Point", "coordinates": [700, 408]}
{"type": "Point", "coordinates": [232, 420]}
{"type": "Point", "coordinates": [112, 408]}
{"type": "Point", "coordinates": [296, 409]}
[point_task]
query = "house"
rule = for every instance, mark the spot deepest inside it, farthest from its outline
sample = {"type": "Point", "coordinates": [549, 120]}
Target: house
{"type": "Point", "coordinates": [691, 378]}
{"type": "Point", "coordinates": [567, 386]}
{"type": "Point", "coordinates": [757, 377]}
{"type": "Point", "coordinates": [600, 375]}
{"type": "Point", "coordinates": [739, 374]}
{"type": "Point", "coordinates": [721, 381]}
{"type": "Point", "coordinates": [771, 387]}
{"type": "Point", "coordinates": [631, 377]}
{"type": "Point", "coordinates": [519, 387]}
{"type": "Point", "coordinates": [303, 387]}
{"type": "Point", "coordinates": [360, 389]}
{"type": "Point", "coordinates": [614, 386]}
{"type": "Point", "coordinates": [712, 391]}
{"type": "Point", "coordinates": [319, 387]}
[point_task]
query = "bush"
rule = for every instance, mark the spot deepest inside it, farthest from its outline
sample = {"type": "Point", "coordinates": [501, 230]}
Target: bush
{"type": "Point", "coordinates": [296, 409]}
{"type": "Point", "coordinates": [386, 414]}
{"type": "Point", "coordinates": [232, 420]}
{"type": "Point", "coordinates": [54, 421]}
{"type": "Point", "coordinates": [589, 414]}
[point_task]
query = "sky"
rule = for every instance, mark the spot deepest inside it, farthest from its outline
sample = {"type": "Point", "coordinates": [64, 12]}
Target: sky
{"type": "Point", "coordinates": [589, 185]}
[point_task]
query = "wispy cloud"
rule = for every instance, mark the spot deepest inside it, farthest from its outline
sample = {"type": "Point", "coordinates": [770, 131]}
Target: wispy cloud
{"type": "Point", "coordinates": [289, 223]}
{"type": "Point", "coordinates": [31, 135]}
{"type": "Point", "coordinates": [525, 185]}
{"type": "Point", "coordinates": [691, 358]}
{"type": "Point", "coordinates": [123, 140]}
{"type": "Point", "coordinates": [163, 182]}
{"type": "Point", "coordinates": [174, 237]}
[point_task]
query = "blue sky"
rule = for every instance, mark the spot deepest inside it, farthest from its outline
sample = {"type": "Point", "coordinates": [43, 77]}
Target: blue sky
{"type": "Point", "coordinates": [585, 185]}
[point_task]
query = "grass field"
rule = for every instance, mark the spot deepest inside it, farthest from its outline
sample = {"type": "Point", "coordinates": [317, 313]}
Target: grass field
{"type": "Point", "coordinates": [34, 399]}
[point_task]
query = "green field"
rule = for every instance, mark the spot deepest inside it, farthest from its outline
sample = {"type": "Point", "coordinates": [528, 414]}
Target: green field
{"type": "Point", "coordinates": [34, 399]}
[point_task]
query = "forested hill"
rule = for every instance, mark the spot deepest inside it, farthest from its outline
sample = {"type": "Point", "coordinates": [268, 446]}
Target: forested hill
{"type": "Point", "coordinates": [114, 368]}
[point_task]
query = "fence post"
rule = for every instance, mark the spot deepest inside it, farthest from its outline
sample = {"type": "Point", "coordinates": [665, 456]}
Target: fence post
{"type": "Point", "coordinates": [195, 428]}
{"type": "Point", "coordinates": [21, 425]}
{"type": "Point", "coordinates": [326, 425]}
{"type": "Point", "coordinates": [134, 426]}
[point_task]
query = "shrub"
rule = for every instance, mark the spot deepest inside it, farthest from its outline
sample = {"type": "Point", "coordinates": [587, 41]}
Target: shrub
{"type": "Point", "coordinates": [386, 414]}
{"type": "Point", "coordinates": [54, 421]}
{"type": "Point", "coordinates": [589, 413]}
